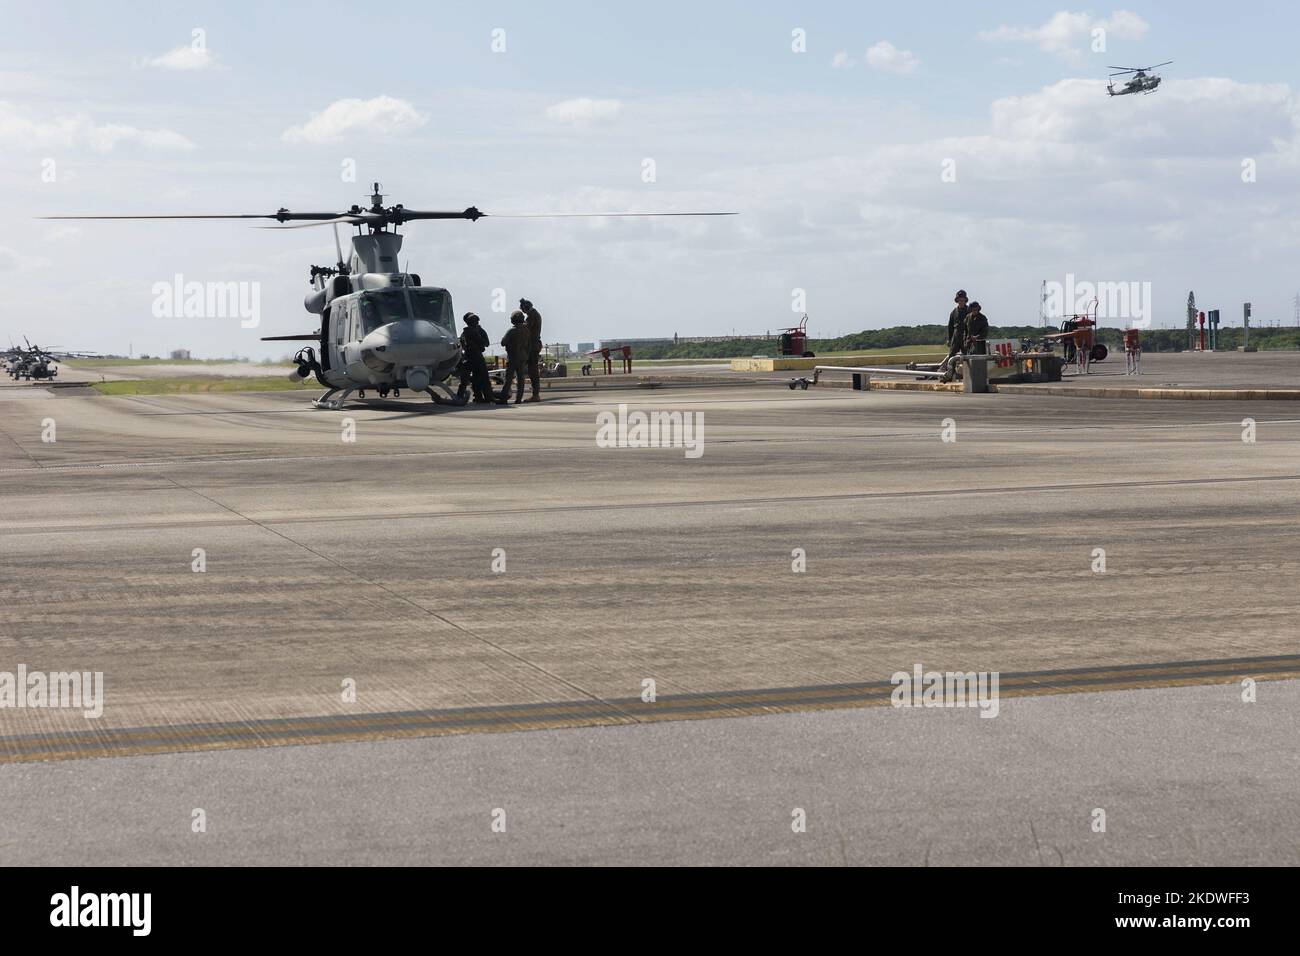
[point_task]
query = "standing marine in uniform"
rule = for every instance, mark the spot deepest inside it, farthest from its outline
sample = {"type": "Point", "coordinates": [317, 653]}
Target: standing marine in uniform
{"type": "Point", "coordinates": [473, 340]}
{"type": "Point", "coordinates": [515, 342]}
{"type": "Point", "coordinates": [957, 324]}
{"type": "Point", "coordinates": [956, 335]}
{"type": "Point", "coordinates": [977, 331]}
{"type": "Point", "coordinates": [534, 319]}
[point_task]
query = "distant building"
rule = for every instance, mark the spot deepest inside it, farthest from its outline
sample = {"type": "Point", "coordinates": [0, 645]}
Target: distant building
{"type": "Point", "coordinates": [585, 347]}
{"type": "Point", "coordinates": [180, 354]}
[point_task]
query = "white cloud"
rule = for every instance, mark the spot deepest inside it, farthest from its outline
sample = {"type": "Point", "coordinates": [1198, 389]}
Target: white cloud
{"type": "Point", "coordinates": [11, 261]}
{"type": "Point", "coordinates": [383, 115]}
{"type": "Point", "coordinates": [62, 233]}
{"type": "Point", "coordinates": [184, 58]}
{"type": "Point", "coordinates": [104, 138]}
{"type": "Point", "coordinates": [842, 60]}
{"type": "Point", "coordinates": [18, 82]}
{"type": "Point", "coordinates": [18, 130]}
{"type": "Point", "coordinates": [887, 57]}
{"type": "Point", "coordinates": [585, 111]}
{"type": "Point", "coordinates": [1065, 33]}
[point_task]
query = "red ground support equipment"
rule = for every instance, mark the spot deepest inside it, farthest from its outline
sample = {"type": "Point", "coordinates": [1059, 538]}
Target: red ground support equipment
{"type": "Point", "coordinates": [1083, 340]}
{"type": "Point", "coordinates": [795, 341]}
{"type": "Point", "coordinates": [604, 353]}
{"type": "Point", "coordinates": [1132, 352]}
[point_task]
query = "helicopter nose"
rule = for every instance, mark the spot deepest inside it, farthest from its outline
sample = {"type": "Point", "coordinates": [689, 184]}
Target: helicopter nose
{"type": "Point", "coordinates": [411, 342]}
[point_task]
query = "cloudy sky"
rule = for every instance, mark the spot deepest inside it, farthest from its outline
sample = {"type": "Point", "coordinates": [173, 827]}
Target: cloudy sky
{"type": "Point", "coordinates": [879, 155]}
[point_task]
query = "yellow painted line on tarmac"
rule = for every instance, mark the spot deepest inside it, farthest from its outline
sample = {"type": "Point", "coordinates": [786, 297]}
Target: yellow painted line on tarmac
{"type": "Point", "coordinates": [557, 715]}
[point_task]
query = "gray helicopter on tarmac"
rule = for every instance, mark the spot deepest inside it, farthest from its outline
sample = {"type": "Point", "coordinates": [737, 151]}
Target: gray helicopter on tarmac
{"type": "Point", "coordinates": [380, 328]}
{"type": "Point", "coordinates": [1142, 80]}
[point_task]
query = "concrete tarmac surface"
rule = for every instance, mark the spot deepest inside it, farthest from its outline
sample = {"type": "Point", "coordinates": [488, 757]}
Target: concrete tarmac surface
{"type": "Point", "coordinates": [1185, 776]}
{"type": "Point", "coordinates": [333, 564]}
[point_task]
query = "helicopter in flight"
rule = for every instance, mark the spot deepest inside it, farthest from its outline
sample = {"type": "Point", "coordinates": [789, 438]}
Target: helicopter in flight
{"type": "Point", "coordinates": [380, 328]}
{"type": "Point", "coordinates": [1142, 80]}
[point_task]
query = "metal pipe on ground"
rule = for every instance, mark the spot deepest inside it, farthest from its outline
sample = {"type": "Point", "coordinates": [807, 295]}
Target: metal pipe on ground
{"type": "Point", "coordinates": [865, 369]}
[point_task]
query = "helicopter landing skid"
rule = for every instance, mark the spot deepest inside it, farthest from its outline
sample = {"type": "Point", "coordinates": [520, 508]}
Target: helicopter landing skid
{"type": "Point", "coordinates": [455, 399]}
{"type": "Point", "coordinates": [329, 403]}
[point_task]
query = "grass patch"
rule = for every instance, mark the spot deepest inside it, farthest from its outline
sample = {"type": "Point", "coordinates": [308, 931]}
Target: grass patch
{"type": "Point", "coordinates": [125, 362]}
{"type": "Point", "coordinates": [198, 385]}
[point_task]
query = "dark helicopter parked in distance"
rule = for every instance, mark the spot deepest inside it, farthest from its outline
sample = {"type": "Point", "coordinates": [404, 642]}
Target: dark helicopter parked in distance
{"type": "Point", "coordinates": [1143, 80]}
{"type": "Point", "coordinates": [35, 363]}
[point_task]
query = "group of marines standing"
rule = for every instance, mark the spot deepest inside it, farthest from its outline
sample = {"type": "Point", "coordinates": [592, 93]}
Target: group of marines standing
{"type": "Point", "coordinates": [523, 345]}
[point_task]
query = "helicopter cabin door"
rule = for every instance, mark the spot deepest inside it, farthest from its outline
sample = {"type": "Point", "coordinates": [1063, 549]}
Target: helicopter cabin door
{"type": "Point", "coordinates": [339, 315]}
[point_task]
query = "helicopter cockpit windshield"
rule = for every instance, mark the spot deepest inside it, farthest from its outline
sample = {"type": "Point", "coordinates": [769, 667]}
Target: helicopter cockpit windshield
{"type": "Point", "coordinates": [381, 308]}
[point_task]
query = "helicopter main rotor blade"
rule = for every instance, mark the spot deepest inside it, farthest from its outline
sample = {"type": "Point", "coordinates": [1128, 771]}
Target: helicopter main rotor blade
{"type": "Point", "coordinates": [79, 218]}
{"type": "Point", "coordinates": [282, 215]}
{"type": "Point", "coordinates": [1139, 69]}
{"type": "Point", "coordinates": [399, 215]}
{"type": "Point", "coordinates": [598, 215]}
